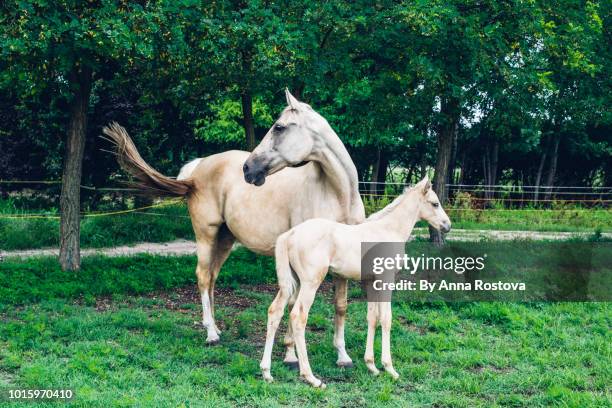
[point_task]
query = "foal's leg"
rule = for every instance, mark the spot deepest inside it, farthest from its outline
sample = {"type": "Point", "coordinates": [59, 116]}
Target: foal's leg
{"type": "Point", "coordinates": [369, 350]}
{"type": "Point", "coordinates": [291, 359]}
{"type": "Point", "coordinates": [385, 323]}
{"type": "Point", "coordinates": [340, 301]}
{"type": "Point", "coordinates": [275, 314]}
{"type": "Point", "coordinates": [299, 317]}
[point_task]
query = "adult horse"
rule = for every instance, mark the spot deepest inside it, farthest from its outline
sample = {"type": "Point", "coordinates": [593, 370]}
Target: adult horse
{"type": "Point", "coordinates": [320, 181]}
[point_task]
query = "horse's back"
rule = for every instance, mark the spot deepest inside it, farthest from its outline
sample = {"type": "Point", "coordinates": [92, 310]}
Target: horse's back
{"type": "Point", "coordinates": [256, 215]}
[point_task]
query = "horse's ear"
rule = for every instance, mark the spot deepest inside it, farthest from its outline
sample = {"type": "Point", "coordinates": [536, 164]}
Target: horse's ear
{"type": "Point", "coordinates": [291, 101]}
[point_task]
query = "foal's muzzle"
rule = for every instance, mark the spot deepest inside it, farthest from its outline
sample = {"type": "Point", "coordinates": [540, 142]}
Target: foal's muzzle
{"type": "Point", "coordinates": [445, 227]}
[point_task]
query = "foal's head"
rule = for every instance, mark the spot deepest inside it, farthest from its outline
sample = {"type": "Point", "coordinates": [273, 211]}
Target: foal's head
{"type": "Point", "coordinates": [430, 208]}
{"type": "Point", "coordinates": [289, 143]}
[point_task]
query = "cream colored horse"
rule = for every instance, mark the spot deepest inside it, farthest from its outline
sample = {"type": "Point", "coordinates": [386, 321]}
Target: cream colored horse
{"type": "Point", "coordinates": [224, 208]}
{"type": "Point", "coordinates": [307, 252]}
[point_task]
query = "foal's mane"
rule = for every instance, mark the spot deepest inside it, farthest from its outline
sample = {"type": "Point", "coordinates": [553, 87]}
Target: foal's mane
{"type": "Point", "coordinates": [386, 210]}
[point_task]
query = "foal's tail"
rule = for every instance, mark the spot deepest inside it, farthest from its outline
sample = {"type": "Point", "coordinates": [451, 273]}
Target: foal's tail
{"type": "Point", "coordinates": [151, 182]}
{"type": "Point", "coordinates": [286, 277]}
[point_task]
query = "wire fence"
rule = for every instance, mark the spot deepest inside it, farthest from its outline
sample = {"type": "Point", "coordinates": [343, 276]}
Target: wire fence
{"type": "Point", "coordinates": [461, 198]}
{"type": "Point", "coordinates": [486, 196]}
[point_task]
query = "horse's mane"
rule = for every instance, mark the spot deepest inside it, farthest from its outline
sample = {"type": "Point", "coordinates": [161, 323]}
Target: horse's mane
{"type": "Point", "coordinates": [386, 210]}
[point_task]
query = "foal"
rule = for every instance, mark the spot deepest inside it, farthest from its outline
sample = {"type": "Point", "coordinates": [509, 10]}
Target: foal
{"type": "Point", "coordinates": [305, 253]}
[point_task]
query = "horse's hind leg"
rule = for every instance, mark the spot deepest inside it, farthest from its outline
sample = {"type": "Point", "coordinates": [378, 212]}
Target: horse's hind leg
{"type": "Point", "coordinates": [212, 252]}
{"type": "Point", "coordinates": [340, 300]}
{"type": "Point", "coordinates": [223, 247]}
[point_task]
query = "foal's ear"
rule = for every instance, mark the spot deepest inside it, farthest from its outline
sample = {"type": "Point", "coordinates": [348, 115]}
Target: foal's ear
{"type": "Point", "coordinates": [291, 101]}
{"type": "Point", "coordinates": [425, 185]}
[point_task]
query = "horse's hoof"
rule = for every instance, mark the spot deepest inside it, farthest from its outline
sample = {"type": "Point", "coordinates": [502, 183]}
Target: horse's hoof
{"type": "Point", "coordinates": [293, 365]}
{"type": "Point", "coordinates": [213, 342]}
{"type": "Point", "coordinates": [345, 364]}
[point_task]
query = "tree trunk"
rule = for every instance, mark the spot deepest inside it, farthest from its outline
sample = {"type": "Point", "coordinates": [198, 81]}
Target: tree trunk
{"type": "Point", "coordinates": [453, 159]}
{"type": "Point", "coordinates": [490, 160]}
{"type": "Point", "coordinates": [494, 160]}
{"type": "Point", "coordinates": [552, 170]}
{"type": "Point", "coordinates": [70, 199]}
{"type": "Point", "coordinates": [247, 115]}
{"type": "Point", "coordinates": [538, 178]}
{"type": "Point", "coordinates": [485, 171]}
{"type": "Point", "coordinates": [446, 133]}
{"type": "Point", "coordinates": [379, 173]}
{"type": "Point", "coordinates": [464, 169]}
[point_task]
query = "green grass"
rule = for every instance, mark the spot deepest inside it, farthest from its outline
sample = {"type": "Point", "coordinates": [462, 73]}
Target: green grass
{"type": "Point", "coordinates": [158, 225]}
{"type": "Point", "coordinates": [561, 217]}
{"type": "Point", "coordinates": [38, 279]}
{"type": "Point", "coordinates": [172, 222]}
{"type": "Point", "coordinates": [556, 220]}
{"type": "Point", "coordinates": [115, 346]}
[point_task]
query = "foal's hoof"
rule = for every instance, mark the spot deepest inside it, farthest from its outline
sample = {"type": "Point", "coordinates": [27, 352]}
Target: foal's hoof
{"type": "Point", "coordinates": [315, 382]}
{"type": "Point", "coordinates": [345, 364]}
{"type": "Point", "coordinates": [293, 365]}
{"type": "Point", "coordinates": [373, 369]}
{"type": "Point", "coordinates": [267, 376]}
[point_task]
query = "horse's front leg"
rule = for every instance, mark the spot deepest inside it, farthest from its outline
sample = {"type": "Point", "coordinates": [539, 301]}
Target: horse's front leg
{"type": "Point", "coordinates": [340, 302]}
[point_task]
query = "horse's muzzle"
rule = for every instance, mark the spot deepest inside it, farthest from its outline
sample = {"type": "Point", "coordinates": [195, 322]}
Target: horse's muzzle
{"type": "Point", "coordinates": [254, 173]}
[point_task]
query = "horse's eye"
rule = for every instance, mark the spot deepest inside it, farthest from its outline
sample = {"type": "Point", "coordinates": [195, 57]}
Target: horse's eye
{"type": "Point", "coordinates": [436, 205]}
{"type": "Point", "coordinates": [279, 128]}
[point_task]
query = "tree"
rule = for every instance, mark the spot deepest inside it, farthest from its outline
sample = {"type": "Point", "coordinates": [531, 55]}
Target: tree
{"type": "Point", "coordinates": [67, 47]}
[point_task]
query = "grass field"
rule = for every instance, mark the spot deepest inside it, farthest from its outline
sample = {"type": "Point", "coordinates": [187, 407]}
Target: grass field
{"type": "Point", "coordinates": [127, 332]}
{"type": "Point", "coordinates": [172, 222]}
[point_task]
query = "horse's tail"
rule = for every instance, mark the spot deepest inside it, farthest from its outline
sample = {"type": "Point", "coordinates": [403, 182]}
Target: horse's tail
{"type": "Point", "coordinates": [151, 182]}
{"type": "Point", "coordinates": [285, 275]}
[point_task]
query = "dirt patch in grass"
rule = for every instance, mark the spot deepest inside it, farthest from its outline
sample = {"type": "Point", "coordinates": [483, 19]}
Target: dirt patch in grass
{"type": "Point", "coordinates": [178, 298]}
{"type": "Point", "coordinates": [181, 299]}
{"type": "Point", "coordinates": [500, 370]}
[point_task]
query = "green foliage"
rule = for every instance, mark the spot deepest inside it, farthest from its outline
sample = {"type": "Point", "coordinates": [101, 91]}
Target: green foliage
{"type": "Point", "coordinates": [176, 72]}
{"type": "Point", "coordinates": [225, 123]}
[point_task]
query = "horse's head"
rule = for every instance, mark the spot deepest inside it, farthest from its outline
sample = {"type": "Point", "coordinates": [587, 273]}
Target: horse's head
{"type": "Point", "coordinates": [291, 142]}
{"type": "Point", "coordinates": [430, 209]}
